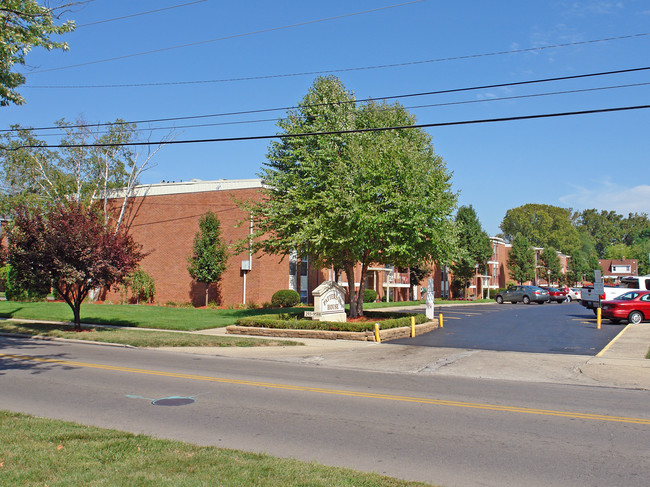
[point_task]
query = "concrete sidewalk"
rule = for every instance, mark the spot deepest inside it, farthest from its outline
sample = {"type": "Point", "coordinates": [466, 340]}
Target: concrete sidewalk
{"type": "Point", "coordinates": [621, 364]}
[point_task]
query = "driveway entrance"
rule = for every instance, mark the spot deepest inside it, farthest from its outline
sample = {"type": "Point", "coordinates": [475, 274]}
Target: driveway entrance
{"type": "Point", "coordinates": [549, 328]}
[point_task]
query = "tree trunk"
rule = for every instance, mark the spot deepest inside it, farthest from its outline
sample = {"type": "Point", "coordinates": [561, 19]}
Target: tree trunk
{"type": "Point", "coordinates": [207, 290]}
{"type": "Point", "coordinates": [362, 289]}
{"type": "Point", "coordinates": [76, 309]}
{"type": "Point", "coordinates": [349, 271]}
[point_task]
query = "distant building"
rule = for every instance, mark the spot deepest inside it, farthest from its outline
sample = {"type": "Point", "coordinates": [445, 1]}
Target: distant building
{"type": "Point", "coordinates": [614, 269]}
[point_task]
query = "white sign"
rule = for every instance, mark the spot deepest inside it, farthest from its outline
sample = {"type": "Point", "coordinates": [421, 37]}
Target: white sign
{"type": "Point", "coordinates": [429, 306]}
{"type": "Point", "coordinates": [329, 302]}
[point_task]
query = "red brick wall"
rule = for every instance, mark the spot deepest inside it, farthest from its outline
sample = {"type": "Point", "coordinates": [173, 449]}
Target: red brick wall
{"type": "Point", "coordinates": [166, 225]}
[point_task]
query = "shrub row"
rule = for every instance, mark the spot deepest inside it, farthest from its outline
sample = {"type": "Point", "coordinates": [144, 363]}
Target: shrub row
{"type": "Point", "coordinates": [295, 321]}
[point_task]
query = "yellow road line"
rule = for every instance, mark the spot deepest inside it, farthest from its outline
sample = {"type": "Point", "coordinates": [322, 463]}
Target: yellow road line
{"type": "Point", "coordinates": [388, 397]}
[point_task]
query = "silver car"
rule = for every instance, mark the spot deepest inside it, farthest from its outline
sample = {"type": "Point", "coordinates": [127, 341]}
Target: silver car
{"type": "Point", "coordinates": [524, 294]}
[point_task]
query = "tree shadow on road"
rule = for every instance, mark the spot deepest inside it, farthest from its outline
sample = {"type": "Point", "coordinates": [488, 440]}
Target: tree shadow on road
{"type": "Point", "coordinates": [23, 354]}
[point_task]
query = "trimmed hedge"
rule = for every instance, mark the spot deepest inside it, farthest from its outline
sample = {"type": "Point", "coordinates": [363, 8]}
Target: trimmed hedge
{"type": "Point", "coordinates": [296, 321]}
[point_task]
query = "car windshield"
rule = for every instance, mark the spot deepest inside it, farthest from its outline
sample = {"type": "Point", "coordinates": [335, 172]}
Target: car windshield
{"type": "Point", "coordinates": [553, 290]}
{"type": "Point", "coordinates": [627, 296]}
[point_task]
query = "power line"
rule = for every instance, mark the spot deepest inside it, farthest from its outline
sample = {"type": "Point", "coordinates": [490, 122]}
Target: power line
{"type": "Point", "coordinates": [234, 36]}
{"type": "Point", "coordinates": [412, 107]}
{"type": "Point", "coordinates": [138, 14]}
{"type": "Point", "coordinates": [313, 73]}
{"type": "Point", "coordinates": [391, 97]}
{"type": "Point", "coordinates": [340, 132]}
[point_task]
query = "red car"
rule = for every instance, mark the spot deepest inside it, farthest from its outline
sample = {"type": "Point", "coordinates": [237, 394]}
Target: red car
{"type": "Point", "coordinates": [557, 295]}
{"type": "Point", "coordinates": [633, 306]}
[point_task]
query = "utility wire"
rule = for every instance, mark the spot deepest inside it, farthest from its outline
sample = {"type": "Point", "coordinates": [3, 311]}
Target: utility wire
{"type": "Point", "coordinates": [340, 132]}
{"type": "Point", "coordinates": [234, 36]}
{"type": "Point", "coordinates": [412, 107]}
{"type": "Point", "coordinates": [138, 14]}
{"type": "Point", "coordinates": [391, 97]}
{"type": "Point", "coordinates": [312, 73]}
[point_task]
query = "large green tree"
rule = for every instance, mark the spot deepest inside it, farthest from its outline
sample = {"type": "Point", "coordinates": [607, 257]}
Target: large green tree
{"type": "Point", "coordinates": [348, 199]}
{"type": "Point", "coordinates": [521, 259]}
{"type": "Point", "coordinates": [208, 260]}
{"type": "Point", "coordinates": [474, 247]}
{"type": "Point", "coordinates": [549, 265]}
{"type": "Point", "coordinates": [604, 227]}
{"type": "Point", "coordinates": [25, 24]}
{"type": "Point", "coordinates": [542, 225]}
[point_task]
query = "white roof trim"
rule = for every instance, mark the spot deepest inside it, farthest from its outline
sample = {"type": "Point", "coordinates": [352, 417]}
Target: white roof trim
{"type": "Point", "coordinates": [184, 187]}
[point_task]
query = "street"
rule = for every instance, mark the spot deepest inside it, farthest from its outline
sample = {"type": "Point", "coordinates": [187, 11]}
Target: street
{"type": "Point", "coordinates": [443, 430]}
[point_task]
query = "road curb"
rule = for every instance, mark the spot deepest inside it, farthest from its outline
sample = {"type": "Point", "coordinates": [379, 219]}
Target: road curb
{"type": "Point", "coordinates": [58, 339]}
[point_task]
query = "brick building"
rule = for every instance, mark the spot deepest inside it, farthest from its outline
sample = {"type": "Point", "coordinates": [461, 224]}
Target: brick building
{"type": "Point", "coordinates": [164, 218]}
{"type": "Point", "coordinates": [614, 269]}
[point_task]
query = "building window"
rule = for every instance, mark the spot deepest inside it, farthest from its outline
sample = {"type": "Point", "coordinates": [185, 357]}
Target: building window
{"type": "Point", "coordinates": [621, 269]}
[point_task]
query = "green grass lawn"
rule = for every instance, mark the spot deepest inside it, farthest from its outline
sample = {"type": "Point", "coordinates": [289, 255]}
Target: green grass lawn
{"type": "Point", "coordinates": [137, 338]}
{"type": "Point", "coordinates": [38, 452]}
{"type": "Point", "coordinates": [162, 317]}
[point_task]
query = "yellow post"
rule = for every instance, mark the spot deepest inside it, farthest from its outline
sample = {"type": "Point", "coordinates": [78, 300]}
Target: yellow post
{"type": "Point", "coordinates": [598, 318]}
{"type": "Point", "coordinates": [377, 337]}
{"type": "Point", "coordinates": [412, 326]}
{"type": "Point", "coordinates": [440, 322]}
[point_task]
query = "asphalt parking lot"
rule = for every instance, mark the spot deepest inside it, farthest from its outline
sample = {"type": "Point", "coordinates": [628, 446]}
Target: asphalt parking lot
{"type": "Point", "coordinates": [549, 328]}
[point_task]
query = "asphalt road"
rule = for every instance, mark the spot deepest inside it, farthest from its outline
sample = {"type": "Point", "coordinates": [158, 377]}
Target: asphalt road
{"type": "Point", "coordinates": [443, 430]}
{"type": "Point", "coordinates": [548, 328]}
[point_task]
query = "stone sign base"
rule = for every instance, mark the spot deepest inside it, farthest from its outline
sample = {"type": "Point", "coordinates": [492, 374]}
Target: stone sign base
{"type": "Point", "coordinates": [366, 336]}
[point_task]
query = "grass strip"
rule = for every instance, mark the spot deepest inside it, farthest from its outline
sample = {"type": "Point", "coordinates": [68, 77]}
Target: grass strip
{"type": "Point", "coordinates": [37, 452]}
{"type": "Point", "coordinates": [136, 338]}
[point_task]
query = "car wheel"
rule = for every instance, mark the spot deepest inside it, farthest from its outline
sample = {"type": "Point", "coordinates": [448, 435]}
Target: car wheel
{"type": "Point", "coordinates": [526, 300]}
{"type": "Point", "coordinates": [635, 317]}
{"type": "Point", "coordinates": [499, 299]}
{"type": "Point", "coordinates": [615, 320]}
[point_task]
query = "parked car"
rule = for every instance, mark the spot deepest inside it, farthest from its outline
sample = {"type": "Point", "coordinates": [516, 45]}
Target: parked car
{"type": "Point", "coordinates": [524, 294]}
{"type": "Point", "coordinates": [633, 306]}
{"type": "Point", "coordinates": [573, 294]}
{"type": "Point", "coordinates": [557, 295]}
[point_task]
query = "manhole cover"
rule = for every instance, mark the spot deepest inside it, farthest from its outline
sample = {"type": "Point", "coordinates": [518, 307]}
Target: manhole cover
{"type": "Point", "coordinates": [173, 401]}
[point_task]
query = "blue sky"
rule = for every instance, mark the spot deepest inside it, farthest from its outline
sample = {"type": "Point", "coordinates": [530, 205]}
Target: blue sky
{"type": "Point", "coordinates": [591, 161]}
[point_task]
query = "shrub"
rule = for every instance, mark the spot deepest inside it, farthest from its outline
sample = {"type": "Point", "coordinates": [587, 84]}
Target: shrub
{"type": "Point", "coordinates": [141, 284]}
{"type": "Point", "coordinates": [369, 296]}
{"type": "Point", "coordinates": [285, 298]}
{"type": "Point", "coordinates": [3, 277]}
{"type": "Point", "coordinates": [16, 291]}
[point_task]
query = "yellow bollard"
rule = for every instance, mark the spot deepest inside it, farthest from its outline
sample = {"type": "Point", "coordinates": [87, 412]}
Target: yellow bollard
{"type": "Point", "coordinates": [440, 322]}
{"type": "Point", "coordinates": [598, 318]}
{"type": "Point", "coordinates": [377, 337]}
{"type": "Point", "coordinates": [412, 326]}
